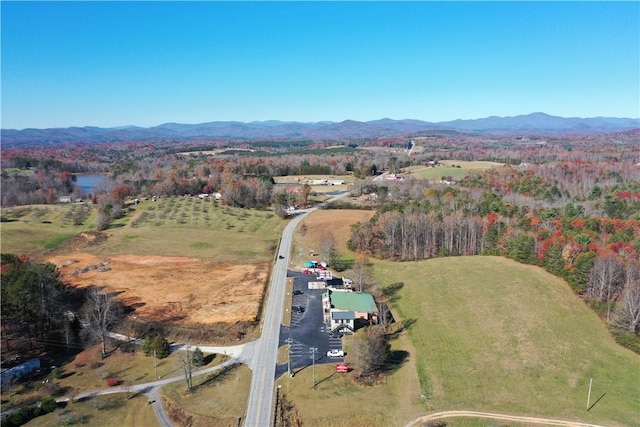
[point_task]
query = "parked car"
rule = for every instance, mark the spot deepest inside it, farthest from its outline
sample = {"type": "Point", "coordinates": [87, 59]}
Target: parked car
{"type": "Point", "coordinates": [335, 353]}
{"type": "Point", "coordinates": [297, 309]}
{"type": "Point", "coordinates": [307, 271]}
{"type": "Point", "coordinates": [297, 292]}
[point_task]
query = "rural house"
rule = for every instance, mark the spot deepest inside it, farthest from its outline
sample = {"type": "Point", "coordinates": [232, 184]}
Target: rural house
{"type": "Point", "coordinates": [348, 310]}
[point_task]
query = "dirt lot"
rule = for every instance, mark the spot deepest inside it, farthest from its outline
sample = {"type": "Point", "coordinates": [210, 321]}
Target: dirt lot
{"type": "Point", "coordinates": [172, 290]}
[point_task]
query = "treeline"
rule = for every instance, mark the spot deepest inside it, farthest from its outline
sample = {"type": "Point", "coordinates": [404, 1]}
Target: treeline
{"type": "Point", "coordinates": [38, 310]}
{"type": "Point", "coordinates": [34, 302]}
{"type": "Point", "coordinates": [598, 256]}
{"type": "Point", "coordinates": [41, 187]}
{"type": "Point", "coordinates": [241, 179]}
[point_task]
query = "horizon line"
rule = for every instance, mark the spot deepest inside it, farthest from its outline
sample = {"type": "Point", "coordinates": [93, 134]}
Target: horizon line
{"type": "Point", "coordinates": [315, 121]}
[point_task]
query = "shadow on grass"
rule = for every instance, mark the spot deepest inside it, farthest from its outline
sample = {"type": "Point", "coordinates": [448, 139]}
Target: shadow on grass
{"type": "Point", "coordinates": [391, 291]}
{"type": "Point", "coordinates": [598, 400]}
{"type": "Point", "coordinates": [140, 392]}
{"type": "Point", "coordinates": [396, 359]}
{"type": "Point", "coordinates": [219, 375]}
{"type": "Point", "coordinates": [401, 327]}
{"type": "Point", "coordinates": [67, 375]}
{"type": "Point", "coordinates": [208, 359]}
{"type": "Point", "coordinates": [325, 379]}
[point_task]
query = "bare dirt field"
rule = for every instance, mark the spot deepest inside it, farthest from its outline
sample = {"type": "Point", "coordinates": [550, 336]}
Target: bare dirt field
{"type": "Point", "coordinates": [175, 290]}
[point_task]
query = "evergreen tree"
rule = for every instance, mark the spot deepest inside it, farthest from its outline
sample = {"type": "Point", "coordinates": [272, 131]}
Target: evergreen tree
{"type": "Point", "coordinates": [579, 275]}
{"type": "Point", "coordinates": [161, 346]}
{"type": "Point", "coordinates": [198, 357]}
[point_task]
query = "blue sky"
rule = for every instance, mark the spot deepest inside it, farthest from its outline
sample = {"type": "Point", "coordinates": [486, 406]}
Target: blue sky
{"type": "Point", "coordinates": [147, 63]}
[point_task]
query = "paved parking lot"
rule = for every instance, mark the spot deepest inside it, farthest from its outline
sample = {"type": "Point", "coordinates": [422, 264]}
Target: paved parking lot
{"type": "Point", "coordinates": [307, 330]}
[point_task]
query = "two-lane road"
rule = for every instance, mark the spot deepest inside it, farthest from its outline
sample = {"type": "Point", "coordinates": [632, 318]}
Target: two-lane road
{"type": "Point", "coordinates": [260, 405]}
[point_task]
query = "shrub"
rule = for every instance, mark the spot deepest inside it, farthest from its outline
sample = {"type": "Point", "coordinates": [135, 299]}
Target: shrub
{"type": "Point", "coordinates": [628, 340]}
{"type": "Point", "coordinates": [53, 389]}
{"type": "Point", "coordinates": [112, 382]}
{"type": "Point", "coordinates": [128, 347]}
{"type": "Point", "coordinates": [48, 404]}
{"type": "Point", "coordinates": [56, 373]}
{"type": "Point", "coordinates": [15, 419]}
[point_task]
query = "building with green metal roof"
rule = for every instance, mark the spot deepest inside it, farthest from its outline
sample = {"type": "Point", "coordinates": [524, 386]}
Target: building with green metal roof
{"type": "Point", "coordinates": [353, 301]}
{"type": "Point", "coordinates": [349, 309]}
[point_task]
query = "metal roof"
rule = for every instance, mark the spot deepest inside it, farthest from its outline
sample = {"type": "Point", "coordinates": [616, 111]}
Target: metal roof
{"type": "Point", "coordinates": [353, 301]}
{"type": "Point", "coordinates": [343, 315]}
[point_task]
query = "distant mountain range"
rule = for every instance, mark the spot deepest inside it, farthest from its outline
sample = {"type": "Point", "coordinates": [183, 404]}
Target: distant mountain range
{"type": "Point", "coordinates": [530, 124]}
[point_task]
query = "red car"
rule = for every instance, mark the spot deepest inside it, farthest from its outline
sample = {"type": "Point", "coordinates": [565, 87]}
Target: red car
{"type": "Point", "coordinates": [307, 271]}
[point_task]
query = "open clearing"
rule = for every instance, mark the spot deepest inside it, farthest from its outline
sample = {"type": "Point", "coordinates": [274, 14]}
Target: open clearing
{"type": "Point", "coordinates": [330, 222]}
{"type": "Point", "coordinates": [174, 290]}
{"type": "Point", "coordinates": [450, 168]}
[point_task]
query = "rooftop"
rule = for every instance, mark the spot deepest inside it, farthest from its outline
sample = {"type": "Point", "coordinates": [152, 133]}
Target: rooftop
{"type": "Point", "coordinates": [353, 301]}
{"type": "Point", "coordinates": [343, 315]}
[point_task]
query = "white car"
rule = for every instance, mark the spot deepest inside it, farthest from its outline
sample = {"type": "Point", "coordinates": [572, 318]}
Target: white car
{"type": "Point", "coordinates": [335, 353]}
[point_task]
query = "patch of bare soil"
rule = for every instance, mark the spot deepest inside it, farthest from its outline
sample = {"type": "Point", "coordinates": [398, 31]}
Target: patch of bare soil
{"type": "Point", "coordinates": [175, 290]}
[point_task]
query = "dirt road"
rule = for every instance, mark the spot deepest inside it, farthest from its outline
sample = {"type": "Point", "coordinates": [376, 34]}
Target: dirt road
{"type": "Point", "coordinates": [486, 415]}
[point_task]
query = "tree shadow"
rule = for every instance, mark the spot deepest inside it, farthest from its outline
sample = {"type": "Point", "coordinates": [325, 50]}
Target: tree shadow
{"type": "Point", "coordinates": [395, 360]}
{"type": "Point", "coordinates": [219, 375]}
{"type": "Point", "coordinates": [391, 291]}
{"type": "Point", "coordinates": [401, 326]}
{"type": "Point", "coordinates": [117, 373]}
{"type": "Point", "coordinates": [598, 400]}
{"type": "Point", "coordinates": [208, 358]}
{"type": "Point", "coordinates": [325, 379]}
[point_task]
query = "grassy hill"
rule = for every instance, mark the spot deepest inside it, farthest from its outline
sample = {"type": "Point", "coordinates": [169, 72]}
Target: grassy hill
{"type": "Point", "coordinates": [497, 336]}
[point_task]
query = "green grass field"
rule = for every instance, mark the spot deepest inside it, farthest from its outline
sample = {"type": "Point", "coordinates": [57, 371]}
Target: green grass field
{"type": "Point", "coordinates": [217, 399]}
{"type": "Point", "coordinates": [110, 410]}
{"type": "Point", "coordinates": [172, 226]}
{"type": "Point", "coordinates": [496, 336]}
{"type": "Point", "coordinates": [436, 173]}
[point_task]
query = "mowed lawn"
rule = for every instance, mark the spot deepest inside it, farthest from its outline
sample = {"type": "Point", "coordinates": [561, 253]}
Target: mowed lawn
{"type": "Point", "coordinates": [493, 335]}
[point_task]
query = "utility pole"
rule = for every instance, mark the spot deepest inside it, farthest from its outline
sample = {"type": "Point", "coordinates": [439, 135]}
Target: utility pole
{"type": "Point", "coordinates": [313, 359]}
{"type": "Point", "coordinates": [589, 394]}
{"type": "Point", "coordinates": [289, 341]}
{"type": "Point", "coordinates": [155, 366]}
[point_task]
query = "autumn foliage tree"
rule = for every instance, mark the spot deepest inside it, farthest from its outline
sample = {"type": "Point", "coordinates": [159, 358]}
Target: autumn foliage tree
{"type": "Point", "coordinates": [369, 351]}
